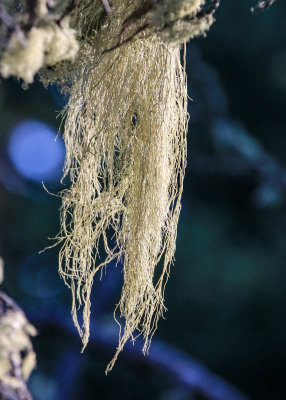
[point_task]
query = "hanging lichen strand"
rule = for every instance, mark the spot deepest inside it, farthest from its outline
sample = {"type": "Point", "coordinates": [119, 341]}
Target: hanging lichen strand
{"type": "Point", "coordinates": [125, 135]}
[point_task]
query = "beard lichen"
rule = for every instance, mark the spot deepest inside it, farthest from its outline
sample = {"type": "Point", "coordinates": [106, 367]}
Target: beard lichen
{"type": "Point", "coordinates": [125, 135]}
{"type": "Point", "coordinates": [125, 128]}
{"type": "Point", "coordinates": [126, 149]}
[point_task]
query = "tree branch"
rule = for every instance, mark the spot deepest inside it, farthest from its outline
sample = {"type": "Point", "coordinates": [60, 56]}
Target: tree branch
{"type": "Point", "coordinates": [178, 366]}
{"type": "Point", "coordinates": [262, 5]}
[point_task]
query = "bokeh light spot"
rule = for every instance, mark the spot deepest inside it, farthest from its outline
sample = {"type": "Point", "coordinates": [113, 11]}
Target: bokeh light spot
{"type": "Point", "coordinates": [34, 151]}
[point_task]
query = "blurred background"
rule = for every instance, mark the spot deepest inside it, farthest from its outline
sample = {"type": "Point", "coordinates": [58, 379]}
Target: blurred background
{"type": "Point", "coordinates": [224, 336]}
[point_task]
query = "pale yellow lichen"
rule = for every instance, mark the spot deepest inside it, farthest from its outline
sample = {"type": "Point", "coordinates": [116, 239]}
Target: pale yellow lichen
{"type": "Point", "coordinates": [46, 45]}
{"type": "Point", "coordinates": [24, 56]}
{"type": "Point", "coordinates": [61, 43]}
{"type": "Point", "coordinates": [173, 10]}
{"type": "Point", "coordinates": [182, 30]}
{"type": "Point", "coordinates": [16, 350]}
{"type": "Point", "coordinates": [176, 21]}
{"type": "Point", "coordinates": [28, 364]}
{"type": "Point", "coordinates": [125, 136]}
{"type": "Point", "coordinates": [15, 332]}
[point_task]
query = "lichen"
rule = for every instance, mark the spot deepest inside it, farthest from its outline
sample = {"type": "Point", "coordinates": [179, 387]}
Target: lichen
{"type": "Point", "coordinates": [176, 20]}
{"type": "Point", "coordinates": [125, 135]}
{"type": "Point", "coordinates": [17, 357]}
{"type": "Point", "coordinates": [172, 10]}
{"type": "Point", "coordinates": [42, 46]}
{"type": "Point", "coordinates": [182, 30]}
{"type": "Point", "coordinates": [125, 130]}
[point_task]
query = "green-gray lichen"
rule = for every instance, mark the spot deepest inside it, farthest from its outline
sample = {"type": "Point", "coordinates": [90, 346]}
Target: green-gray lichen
{"type": "Point", "coordinates": [176, 20]}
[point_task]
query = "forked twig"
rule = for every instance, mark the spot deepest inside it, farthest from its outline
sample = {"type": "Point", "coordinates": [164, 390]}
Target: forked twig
{"type": "Point", "coordinates": [262, 5]}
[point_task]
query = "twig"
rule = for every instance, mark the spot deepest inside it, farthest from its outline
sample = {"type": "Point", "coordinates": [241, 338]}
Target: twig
{"type": "Point", "coordinates": [6, 18]}
{"type": "Point", "coordinates": [106, 7]}
{"type": "Point", "coordinates": [9, 302]}
{"type": "Point", "coordinates": [208, 10]}
{"type": "Point", "coordinates": [262, 5]}
{"type": "Point", "coordinates": [121, 43]}
{"type": "Point", "coordinates": [70, 7]}
{"type": "Point", "coordinates": [11, 26]}
{"type": "Point", "coordinates": [31, 16]}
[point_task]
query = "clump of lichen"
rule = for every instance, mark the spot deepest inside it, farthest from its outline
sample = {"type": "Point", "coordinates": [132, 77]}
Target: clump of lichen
{"type": "Point", "coordinates": [45, 45]}
{"type": "Point", "coordinates": [176, 21]}
{"type": "Point", "coordinates": [17, 357]}
{"type": "Point", "coordinates": [125, 136]}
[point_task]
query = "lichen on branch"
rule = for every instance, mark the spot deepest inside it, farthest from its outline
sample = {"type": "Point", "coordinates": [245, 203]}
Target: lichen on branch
{"type": "Point", "coordinates": [34, 39]}
{"type": "Point", "coordinates": [17, 357]}
{"type": "Point", "coordinates": [125, 128]}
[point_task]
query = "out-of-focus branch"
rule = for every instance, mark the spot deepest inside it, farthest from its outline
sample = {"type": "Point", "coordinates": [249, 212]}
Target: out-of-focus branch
{"type": "Point", "coordinates": [262, 5]}
{"type": "Point", "coordinates": [181, 370]}
{"type": "Point", "coordinates": [6, 19]}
